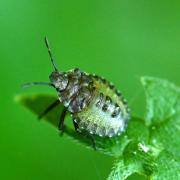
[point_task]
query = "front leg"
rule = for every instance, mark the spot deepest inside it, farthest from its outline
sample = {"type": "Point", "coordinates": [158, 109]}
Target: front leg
{"type": "Point", "coordinates": [49, 108]}
{"type": "Point", "coordinates": [62, 118]}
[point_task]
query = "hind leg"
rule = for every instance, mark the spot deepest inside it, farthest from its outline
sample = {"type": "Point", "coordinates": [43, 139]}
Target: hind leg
{"type": "Point", "coordinates": [76, 127]}
{"type": "Point", "coordinates": [86, 135]}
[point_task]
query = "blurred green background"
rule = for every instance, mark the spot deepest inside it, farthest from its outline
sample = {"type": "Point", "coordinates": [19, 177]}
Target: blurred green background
{"type": "Point", "coordinates": [118, 39]}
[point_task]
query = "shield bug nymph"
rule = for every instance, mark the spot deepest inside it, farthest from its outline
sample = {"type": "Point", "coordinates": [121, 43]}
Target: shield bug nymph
{"type": "Point", "coordinates": [94, 103]}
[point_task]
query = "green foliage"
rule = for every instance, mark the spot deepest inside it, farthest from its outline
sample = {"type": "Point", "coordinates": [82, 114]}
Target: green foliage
{"type": "Point", "coordinates": [162, 98]}
{"type": "Point", "coordinates": [150, 146]}
{"type": "Point", "coordinates": [163, 113]}
{"type": "Point", "coordinates": [168, 167]}
{"type": "Point", "coordinates": [135, 159]}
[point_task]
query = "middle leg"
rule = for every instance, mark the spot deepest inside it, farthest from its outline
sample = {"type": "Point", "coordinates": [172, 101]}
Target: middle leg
{"type": "Point", "coordinates": [62, 118]}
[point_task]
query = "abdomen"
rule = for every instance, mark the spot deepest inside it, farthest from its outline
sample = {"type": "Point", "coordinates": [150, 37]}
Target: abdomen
{"type": "Point", "coordinates": [107, 113]}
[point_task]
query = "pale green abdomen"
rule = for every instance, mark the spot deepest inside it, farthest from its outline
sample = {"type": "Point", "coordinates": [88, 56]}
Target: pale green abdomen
{"type": "Point", "coordinates": [101, 116]}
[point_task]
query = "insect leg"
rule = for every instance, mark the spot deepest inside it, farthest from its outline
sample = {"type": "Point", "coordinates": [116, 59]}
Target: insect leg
{"type": "Point", "coordinates": [91, 138]}
{"type": "Point", "coordinates": [76, 127]}
{"type": "Point", "coordinates": [86, 135]}
{"type": "Point", "coordinates": [62, 118]}
{"type": "Point", "coordinates": [49, 108]}
{"type": "Point", "coordinates": [93, 141]}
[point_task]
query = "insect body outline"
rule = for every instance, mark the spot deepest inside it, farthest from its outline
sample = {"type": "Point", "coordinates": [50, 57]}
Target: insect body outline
{"type": "Point", "coordinates": [94, 103]}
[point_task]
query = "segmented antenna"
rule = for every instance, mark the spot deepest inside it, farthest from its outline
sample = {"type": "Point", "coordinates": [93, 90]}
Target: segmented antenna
{"type": "Point", "coordinates": [26, 85]}
{"type": "Point", "coordinates": [50, 54]}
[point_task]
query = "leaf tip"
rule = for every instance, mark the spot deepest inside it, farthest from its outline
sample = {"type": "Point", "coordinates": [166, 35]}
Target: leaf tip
{"type": "Point", "coordinates": [17, 98]}
{"type": "Point", "coordinates": [145, 80]}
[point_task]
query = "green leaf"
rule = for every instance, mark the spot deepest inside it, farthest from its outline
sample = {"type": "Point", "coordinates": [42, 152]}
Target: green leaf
{"type": "Point", "coordinates": [167, 135]}
{"type": "Point", "coordinates": [168, 167]}
{"type": "Point", "coordinates": [163, 112]}
{"type": "Point", "coordinates": [137, 159]}
{"type": "Point", "coordinates": [111, 146]}
{"type": "Point", "coordinates": [162, 100]}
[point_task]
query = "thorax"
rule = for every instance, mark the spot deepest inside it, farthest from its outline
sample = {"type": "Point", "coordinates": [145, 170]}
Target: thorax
{"type": "Point", "coordinates": [79, 91]}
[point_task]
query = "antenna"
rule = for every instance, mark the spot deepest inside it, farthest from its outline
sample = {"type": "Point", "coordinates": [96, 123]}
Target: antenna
{"type": "Point", "coordinates": [50, 54]}
{"type": "Point", "coordinates": [26, 85]}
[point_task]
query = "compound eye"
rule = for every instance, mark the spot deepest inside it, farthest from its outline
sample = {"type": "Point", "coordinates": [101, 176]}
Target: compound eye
{"type": "Point", "coordinates": [53, 77]}
{"type": "Point", "coordinates": [59, 80]}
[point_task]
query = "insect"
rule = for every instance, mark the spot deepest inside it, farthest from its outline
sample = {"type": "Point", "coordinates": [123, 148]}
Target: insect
{"type": "Point", "coordinates": [94, 103]}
